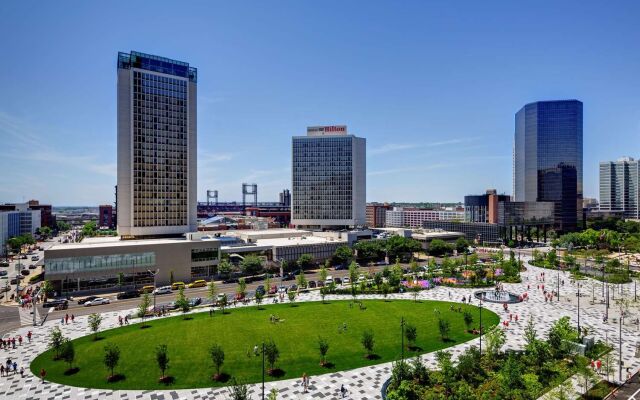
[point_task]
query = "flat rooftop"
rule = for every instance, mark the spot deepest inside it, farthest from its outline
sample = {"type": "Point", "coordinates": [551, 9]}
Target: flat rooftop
{"type": "Point", "coordinates": [296, 241]}
{"type": "Point", "coordinates": [114, 241]}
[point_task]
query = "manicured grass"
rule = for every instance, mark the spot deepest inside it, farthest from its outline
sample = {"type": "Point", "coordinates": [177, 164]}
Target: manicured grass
{"type": "Point", "coordinates": [238, 331]}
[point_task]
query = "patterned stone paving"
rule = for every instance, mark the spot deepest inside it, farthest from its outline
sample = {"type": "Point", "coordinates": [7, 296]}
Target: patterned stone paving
{"type": "Point", "coordinates": [362, 383]}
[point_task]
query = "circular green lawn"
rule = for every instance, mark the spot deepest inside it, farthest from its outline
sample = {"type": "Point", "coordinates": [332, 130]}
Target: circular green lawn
{"type": "Point", "coordinates": [239, 330]}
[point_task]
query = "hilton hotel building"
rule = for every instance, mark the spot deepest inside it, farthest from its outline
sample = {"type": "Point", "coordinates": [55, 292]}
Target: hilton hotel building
{"type": "Point", "coordinates": [328, 179]}
{"type": "Point", "coordinates": [157, 141]}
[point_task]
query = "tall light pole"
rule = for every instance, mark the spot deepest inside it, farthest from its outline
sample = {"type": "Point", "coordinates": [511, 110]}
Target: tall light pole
{"type": "Point", "coordinates": [154, 287]}
{"type": "Point", "coordinates": [402, 338]}
{"type": "Point", "coordinates": [620, 346]}
{"type": "Point", "coordinates": [579, 310]}
{"type": "Point", "coordinates": [262, 370]}
{"type": "Point", "coordinates": [481, 327]}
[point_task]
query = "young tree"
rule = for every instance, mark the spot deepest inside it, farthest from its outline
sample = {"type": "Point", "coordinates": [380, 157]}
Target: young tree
{"type": "Point", "coordinates": [323, 347]}
{"type": "Point", "coordinates": [530, 335]}
{"type": "Point", "coordinates": [222, 303]}
{"type": "Point", "coordinates": [267, 283]}
{"type": "Point", "coordinates": [343, 255]}
{"type": "Point", "coordinates": [444, 328]}
{"type": "Point", "coordinates": [212, 293]}
{"type": "Point", "coordinates": [68, 353]}
{"type": "Point", "coordinates": [608, 364]}
{"type": "Point", "coordinates": [415, 291]}
{"type": "Point", "coordinates": [353, 277]}
{"type": "Point", "coordinates": [47, 289]}
{"type": "Point", "coordinates": [162, 358]}
{"type": "Point", "coordinates": [239, 391]}
{"type": "Point", "coordinates": [385, 290]}
{"type": "Point", "coordinates": [241, 290]}
{"type": "Point", "coordinates": [120, 280]}
{"type": "Point", "coordinates": [495, 339]}
{"type": "Point", "coordinates": [225, 268]}
{"type": "Point", "coordinates": [468, 319]}
{"type": "Point", "coordinates": [259, 296]}
{"type": "Point", "coordinates": [111, 358]}
{"type": "Point", "coordinates": [368, 342]}
{"type": "Point", "coordinates": [271, 354]}
{"type": "Point", "coordinates": [145, 303]}
{"type": "Point", "coordinates": [323, 292]}
{"type": "Point", "coordinates": [586, 375]}
{"type": "Point", "coordinates": [94, 324]}
{"type": "Point", "coordinates": [182, 302]}
{"type": "Point", "coordinates": [301, 280]}
{"type": "Point", "coordinates": [56, 340]}
{"type": "Point", "coordinates": [292, 296]}
{"type": "Point", "coordinates": [273, 394]}
{"type": "Point", "coordinates": [171, 278]}
{"type": "Point", "coordinates": [411, 333]}
{"type": "Point", "coordinates": [323, 274]}
{"type": "Point", "coordinates": [217, 357]}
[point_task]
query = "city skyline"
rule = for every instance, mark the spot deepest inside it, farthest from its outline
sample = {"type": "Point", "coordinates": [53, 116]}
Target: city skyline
{"type": "Point", "coordinates": [426, 139]}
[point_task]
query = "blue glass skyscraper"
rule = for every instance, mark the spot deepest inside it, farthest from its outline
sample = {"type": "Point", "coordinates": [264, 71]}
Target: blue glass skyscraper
{"type": "Point", "coordinates": [547, 158]}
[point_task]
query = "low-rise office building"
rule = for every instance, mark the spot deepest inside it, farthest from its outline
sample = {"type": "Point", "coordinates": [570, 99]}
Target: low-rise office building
{"type": "Point", "coordinates": [400, 217]}
{"type": "Point", "coordinates": [108, 262]}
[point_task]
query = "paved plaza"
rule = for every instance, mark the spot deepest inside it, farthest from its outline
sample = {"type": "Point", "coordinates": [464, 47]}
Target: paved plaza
{"type": "Point", "coordinates": [362, 383]}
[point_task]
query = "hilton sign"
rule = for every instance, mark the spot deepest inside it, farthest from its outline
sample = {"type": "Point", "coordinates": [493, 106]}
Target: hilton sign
{"type": "Point", "coordinates": [327, 130]}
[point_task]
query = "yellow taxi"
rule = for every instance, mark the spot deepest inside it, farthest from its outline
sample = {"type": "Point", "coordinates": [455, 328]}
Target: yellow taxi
{"type": "Point", "coordinates": [177, 285]}
{"type": "Point", "coordinates": [146, 289]}
{"type": "Point", "coordinates": [198, 283]}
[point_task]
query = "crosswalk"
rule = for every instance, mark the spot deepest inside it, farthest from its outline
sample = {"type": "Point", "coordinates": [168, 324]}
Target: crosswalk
{"type": "Point", "coordinates": [26, 315]}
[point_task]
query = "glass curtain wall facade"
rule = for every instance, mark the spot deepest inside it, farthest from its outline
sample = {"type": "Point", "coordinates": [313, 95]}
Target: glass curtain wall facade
{"type": "Point", "coordinates": [619, 187]}
{"type": "Point", "coordinates": [548, 159]}
{"type": "Point", "coordinates": [156, 145]}
{"type": "Point", "coordinates": [328, 181]}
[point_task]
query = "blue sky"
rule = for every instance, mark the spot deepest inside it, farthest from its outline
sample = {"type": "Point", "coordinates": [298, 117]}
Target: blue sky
{"type": "Point", "coordinates": [433, 86]}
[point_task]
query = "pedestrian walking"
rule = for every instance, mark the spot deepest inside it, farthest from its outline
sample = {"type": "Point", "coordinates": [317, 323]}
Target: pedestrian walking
{"type": "Point", "coordinates": [304, 382]}
{"type": "Point", "coordinates": [21, 372]}
{"type": "Point", "coordinates": [1, 370]}
{"type": "Point", "coordinates": [43, 373]}
{"type": "Point", "coordinates": [66, 319]}
{"type": "Point", "coordinates": [73, 317]}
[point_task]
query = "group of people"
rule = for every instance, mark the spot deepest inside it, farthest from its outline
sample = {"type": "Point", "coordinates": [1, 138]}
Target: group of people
{"type": "Point", "coordinates": [65, 320]}
{"type": "Point", "coordinates": [10, 368]}
{"type": "Point", "coordinates": [124, 320]}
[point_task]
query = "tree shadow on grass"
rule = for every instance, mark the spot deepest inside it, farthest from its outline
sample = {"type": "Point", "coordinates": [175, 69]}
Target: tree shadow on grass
{"type": "Point", "coordinates": [223, 377]}
{"type": "Point", "coordinates": [116, 378]}
{"type": "Point", "coordinates": [415, 348]}
{"type": "Point", "coordinates": [167, 380]}
{"type": "Point", "coordinates": [276, 373]}
{"type": "Point", "coordinates": [294, 305]}
{"type": "Point", "coordinates": [72, 371]}
{"type": "Point", "coordinates": [99, 338]}
{"type": "Point", "coordinates": [328, 365]}
{"type": "Point", "coordinates": [372, 357]}
{"type": "Point", "coordinates": [145, 326]}
{"type": "Point", "coordinates": [187, 318]}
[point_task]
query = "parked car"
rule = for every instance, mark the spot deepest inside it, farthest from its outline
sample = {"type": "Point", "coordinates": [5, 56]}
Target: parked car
{"type": "Point", "coordinates": [282, 289]}
{"type": "Point", "coordinates": [171, 306]}
{"type": "Point", "coordinates": [341, 266]}
{"type": "Point", "coordinates": [84, 300]}
{"type": "Point", "coordinates": [321, 284]}
{"type": "Point", "coordinates": [312, 284]}
{"type": "Point", "coordinates": [58, 304]}
{"type": "Point", "coordinates": [289, 276]}
{"type": "Point", "coordinates": [35, 258]}
{"type": "Point", "coordinates": [97, 301]}
{"type": "Point", "coordinates": [146, 289]}
{"type": "Point", "coordinates": [162, 290]}
{"type": "Point", "coordinates": [221, 297]}
{"type": "Point", "coordinates": [273, 289]}
{"type": "Point", "coordinates": [198, 283]}
{"type": "Point", "coordinates": [177, 285]}
{"type": "Point", "coordinates": [338, 281]}
{"type": "Point", "coordinates": [32, 266]}
{"type": "Point", "coordinates": [3, 272]}
{"type": "Point", "coordinates": [346, 280]}
{"type": "Point", "coordinates": [195, 301]}
{"type": "Point", "coordinates": [329, 280]}
{"type": "Point", "coordinates": [4, 264]}
{"type": "Point", "coordinates": [260, 289]}
{"type": "Point", "coordinates": [128, 295]}
{"type": "Point", "coordinates": [293, 287]}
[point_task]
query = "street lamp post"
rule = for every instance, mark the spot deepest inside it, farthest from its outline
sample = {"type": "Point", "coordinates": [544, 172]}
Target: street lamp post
{"type": "Point", "coordinates": [262, 370]}
{"type": "Point", "coordinates": [620, 347]}
{"type": "Point", "coordinates": [480, 327]}
{"type": "Point", "coordinates": [579, 310]}
{"type": "Point", "coordinates": [154, 287]}
{"type": "Point", "coordinates": [402, 338]}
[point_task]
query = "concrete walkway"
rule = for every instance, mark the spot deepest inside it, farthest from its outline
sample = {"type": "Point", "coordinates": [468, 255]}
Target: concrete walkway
{"type": "Point", "coordinates": [362, 383]}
